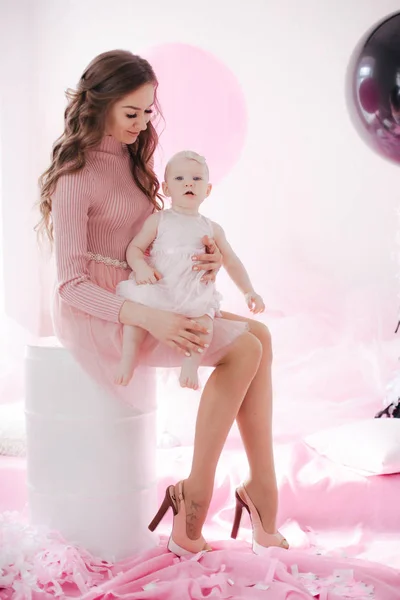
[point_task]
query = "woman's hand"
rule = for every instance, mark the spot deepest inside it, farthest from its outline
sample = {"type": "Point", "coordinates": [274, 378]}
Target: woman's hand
{"type": "Point", "coordinates": [211, 262]}
{"type": "Point", "coordinates": [175, 330]}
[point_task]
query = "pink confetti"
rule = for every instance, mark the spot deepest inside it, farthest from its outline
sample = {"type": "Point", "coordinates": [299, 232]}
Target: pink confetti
{"type": "Point", "coordinates": [37, 564]}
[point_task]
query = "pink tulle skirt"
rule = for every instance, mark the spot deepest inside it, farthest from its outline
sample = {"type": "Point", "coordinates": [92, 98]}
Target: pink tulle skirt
{"type": "Point", "coordinates": [97, 344]}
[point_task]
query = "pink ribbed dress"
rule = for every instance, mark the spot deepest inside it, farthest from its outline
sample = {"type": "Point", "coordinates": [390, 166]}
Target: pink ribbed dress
{"type": "Point", "coordinates": [96, 213]}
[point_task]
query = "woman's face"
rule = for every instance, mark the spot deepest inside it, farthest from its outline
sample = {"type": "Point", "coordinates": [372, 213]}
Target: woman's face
{"type": "Point", "coordinates": [130, 115]}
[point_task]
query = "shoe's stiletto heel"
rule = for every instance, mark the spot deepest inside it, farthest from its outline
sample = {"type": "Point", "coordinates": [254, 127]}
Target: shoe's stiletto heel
{"type": "Point", "coordinates": [179, 543]}
{"type": "Point", "coordinates": [261, 539]}
{"type": "Point", "coordinates": [240, 505]}
{"type": "Point", "coordinates": [166, 504]}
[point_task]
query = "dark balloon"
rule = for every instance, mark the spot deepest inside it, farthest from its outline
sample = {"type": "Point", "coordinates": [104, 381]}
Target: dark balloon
{"type": "Point", "coordinates": [373, 87]}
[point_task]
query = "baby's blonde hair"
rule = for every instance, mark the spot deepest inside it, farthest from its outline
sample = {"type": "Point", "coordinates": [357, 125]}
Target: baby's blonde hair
{"type": "Point", "coordinates": [190, 155]}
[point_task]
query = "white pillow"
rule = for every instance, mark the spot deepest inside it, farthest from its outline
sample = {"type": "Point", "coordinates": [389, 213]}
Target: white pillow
{"type": "Point", "coordinates": [371, 446]}
{"type": "Point", "coordinates": [12, 429]}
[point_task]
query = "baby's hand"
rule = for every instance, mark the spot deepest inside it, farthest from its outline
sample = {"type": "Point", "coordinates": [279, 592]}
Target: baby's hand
{"type": "Point", "coordinates": [255, 302]}
{"type": "Point", "coordinates": [146, 274]}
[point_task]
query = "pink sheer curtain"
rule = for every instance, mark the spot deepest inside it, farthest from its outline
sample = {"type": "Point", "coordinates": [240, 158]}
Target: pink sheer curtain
{"type": "Point", "coordinates": [22, 309]}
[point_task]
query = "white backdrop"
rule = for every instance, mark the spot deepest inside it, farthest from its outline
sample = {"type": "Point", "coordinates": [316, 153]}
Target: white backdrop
{"type": "Point", "coordinates": [310, 210]}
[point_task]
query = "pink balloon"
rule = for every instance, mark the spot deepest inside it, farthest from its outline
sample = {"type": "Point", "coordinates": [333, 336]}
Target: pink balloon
{"type": "Point", "coordinates": [203, 106]}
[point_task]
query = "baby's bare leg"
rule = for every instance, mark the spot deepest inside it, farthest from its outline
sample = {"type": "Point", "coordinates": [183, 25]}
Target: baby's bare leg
{"type": "Point", "coordinates": [188, 377]}
{"type": "Point", "coordinates": [132, 340]}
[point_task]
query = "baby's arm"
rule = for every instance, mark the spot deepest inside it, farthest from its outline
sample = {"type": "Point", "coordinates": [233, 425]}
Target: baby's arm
{"type": "Point", "coordinates": [237, 271]}
{"type": "Point", "coordinates": [136, 249]}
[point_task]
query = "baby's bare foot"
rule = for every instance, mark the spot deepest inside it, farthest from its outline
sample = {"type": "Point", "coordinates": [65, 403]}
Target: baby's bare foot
{"type": "Point", "coordinates": [123, 375]}
{"type": "Point", "coordinates": [189, 377]}
{"type": "Point", "coordinates": [189, 381]}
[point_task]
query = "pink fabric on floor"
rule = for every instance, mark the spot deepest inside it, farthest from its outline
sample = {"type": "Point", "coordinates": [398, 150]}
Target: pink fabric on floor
{"type": "Point", "coordinates": [235, 573]}
{"type": "Point", "coordinates": [13, 493]}
{"type": "Point", "coordinates": [231, 569]}
{"type": "Point", "coordinates": [35, 565]}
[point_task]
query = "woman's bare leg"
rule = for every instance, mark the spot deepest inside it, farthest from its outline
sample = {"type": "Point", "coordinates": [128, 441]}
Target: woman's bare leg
{"type": "Point", "coordinates": [254, 420]}
{"type": "Point", "coordinates": [219, 405]}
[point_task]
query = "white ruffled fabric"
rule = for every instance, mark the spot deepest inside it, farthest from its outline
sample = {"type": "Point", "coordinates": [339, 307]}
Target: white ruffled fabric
{"type": "Point", "coordinates": [36, 563]}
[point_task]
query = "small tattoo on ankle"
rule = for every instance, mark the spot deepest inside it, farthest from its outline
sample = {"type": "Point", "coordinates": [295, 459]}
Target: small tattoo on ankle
{"type": "Point", "coordinates": [192, 517]}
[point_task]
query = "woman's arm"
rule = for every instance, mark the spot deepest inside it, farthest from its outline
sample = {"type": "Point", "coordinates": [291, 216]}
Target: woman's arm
{"type": "Point", "coordinates": [71, 203]}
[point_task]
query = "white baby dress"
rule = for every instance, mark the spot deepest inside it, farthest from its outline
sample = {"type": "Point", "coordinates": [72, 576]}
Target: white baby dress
{"type": "Point", "coordinates": [180, 289]}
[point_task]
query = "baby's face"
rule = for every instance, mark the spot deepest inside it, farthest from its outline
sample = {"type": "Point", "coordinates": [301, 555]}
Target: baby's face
{"type": "Point", "coordinates": [186, 183]}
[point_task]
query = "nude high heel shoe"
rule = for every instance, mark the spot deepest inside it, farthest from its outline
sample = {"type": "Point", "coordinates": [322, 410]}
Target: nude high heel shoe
{"type": "Point", "coordinates": [261, 539]}
{"type": "Point", "coordinates": [179, 543]}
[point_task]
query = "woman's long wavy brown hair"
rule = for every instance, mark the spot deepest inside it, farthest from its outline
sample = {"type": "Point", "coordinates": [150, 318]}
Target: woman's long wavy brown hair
{"type": "Point", "coordinates": [107, 79]}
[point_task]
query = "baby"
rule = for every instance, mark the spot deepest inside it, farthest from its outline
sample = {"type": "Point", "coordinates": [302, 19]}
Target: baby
{"type": "Point", "coordinates": [166, 279]}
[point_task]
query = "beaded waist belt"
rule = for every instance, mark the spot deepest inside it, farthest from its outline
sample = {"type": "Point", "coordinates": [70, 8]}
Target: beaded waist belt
{"type": "Point", "coordinates": [106, 260]}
